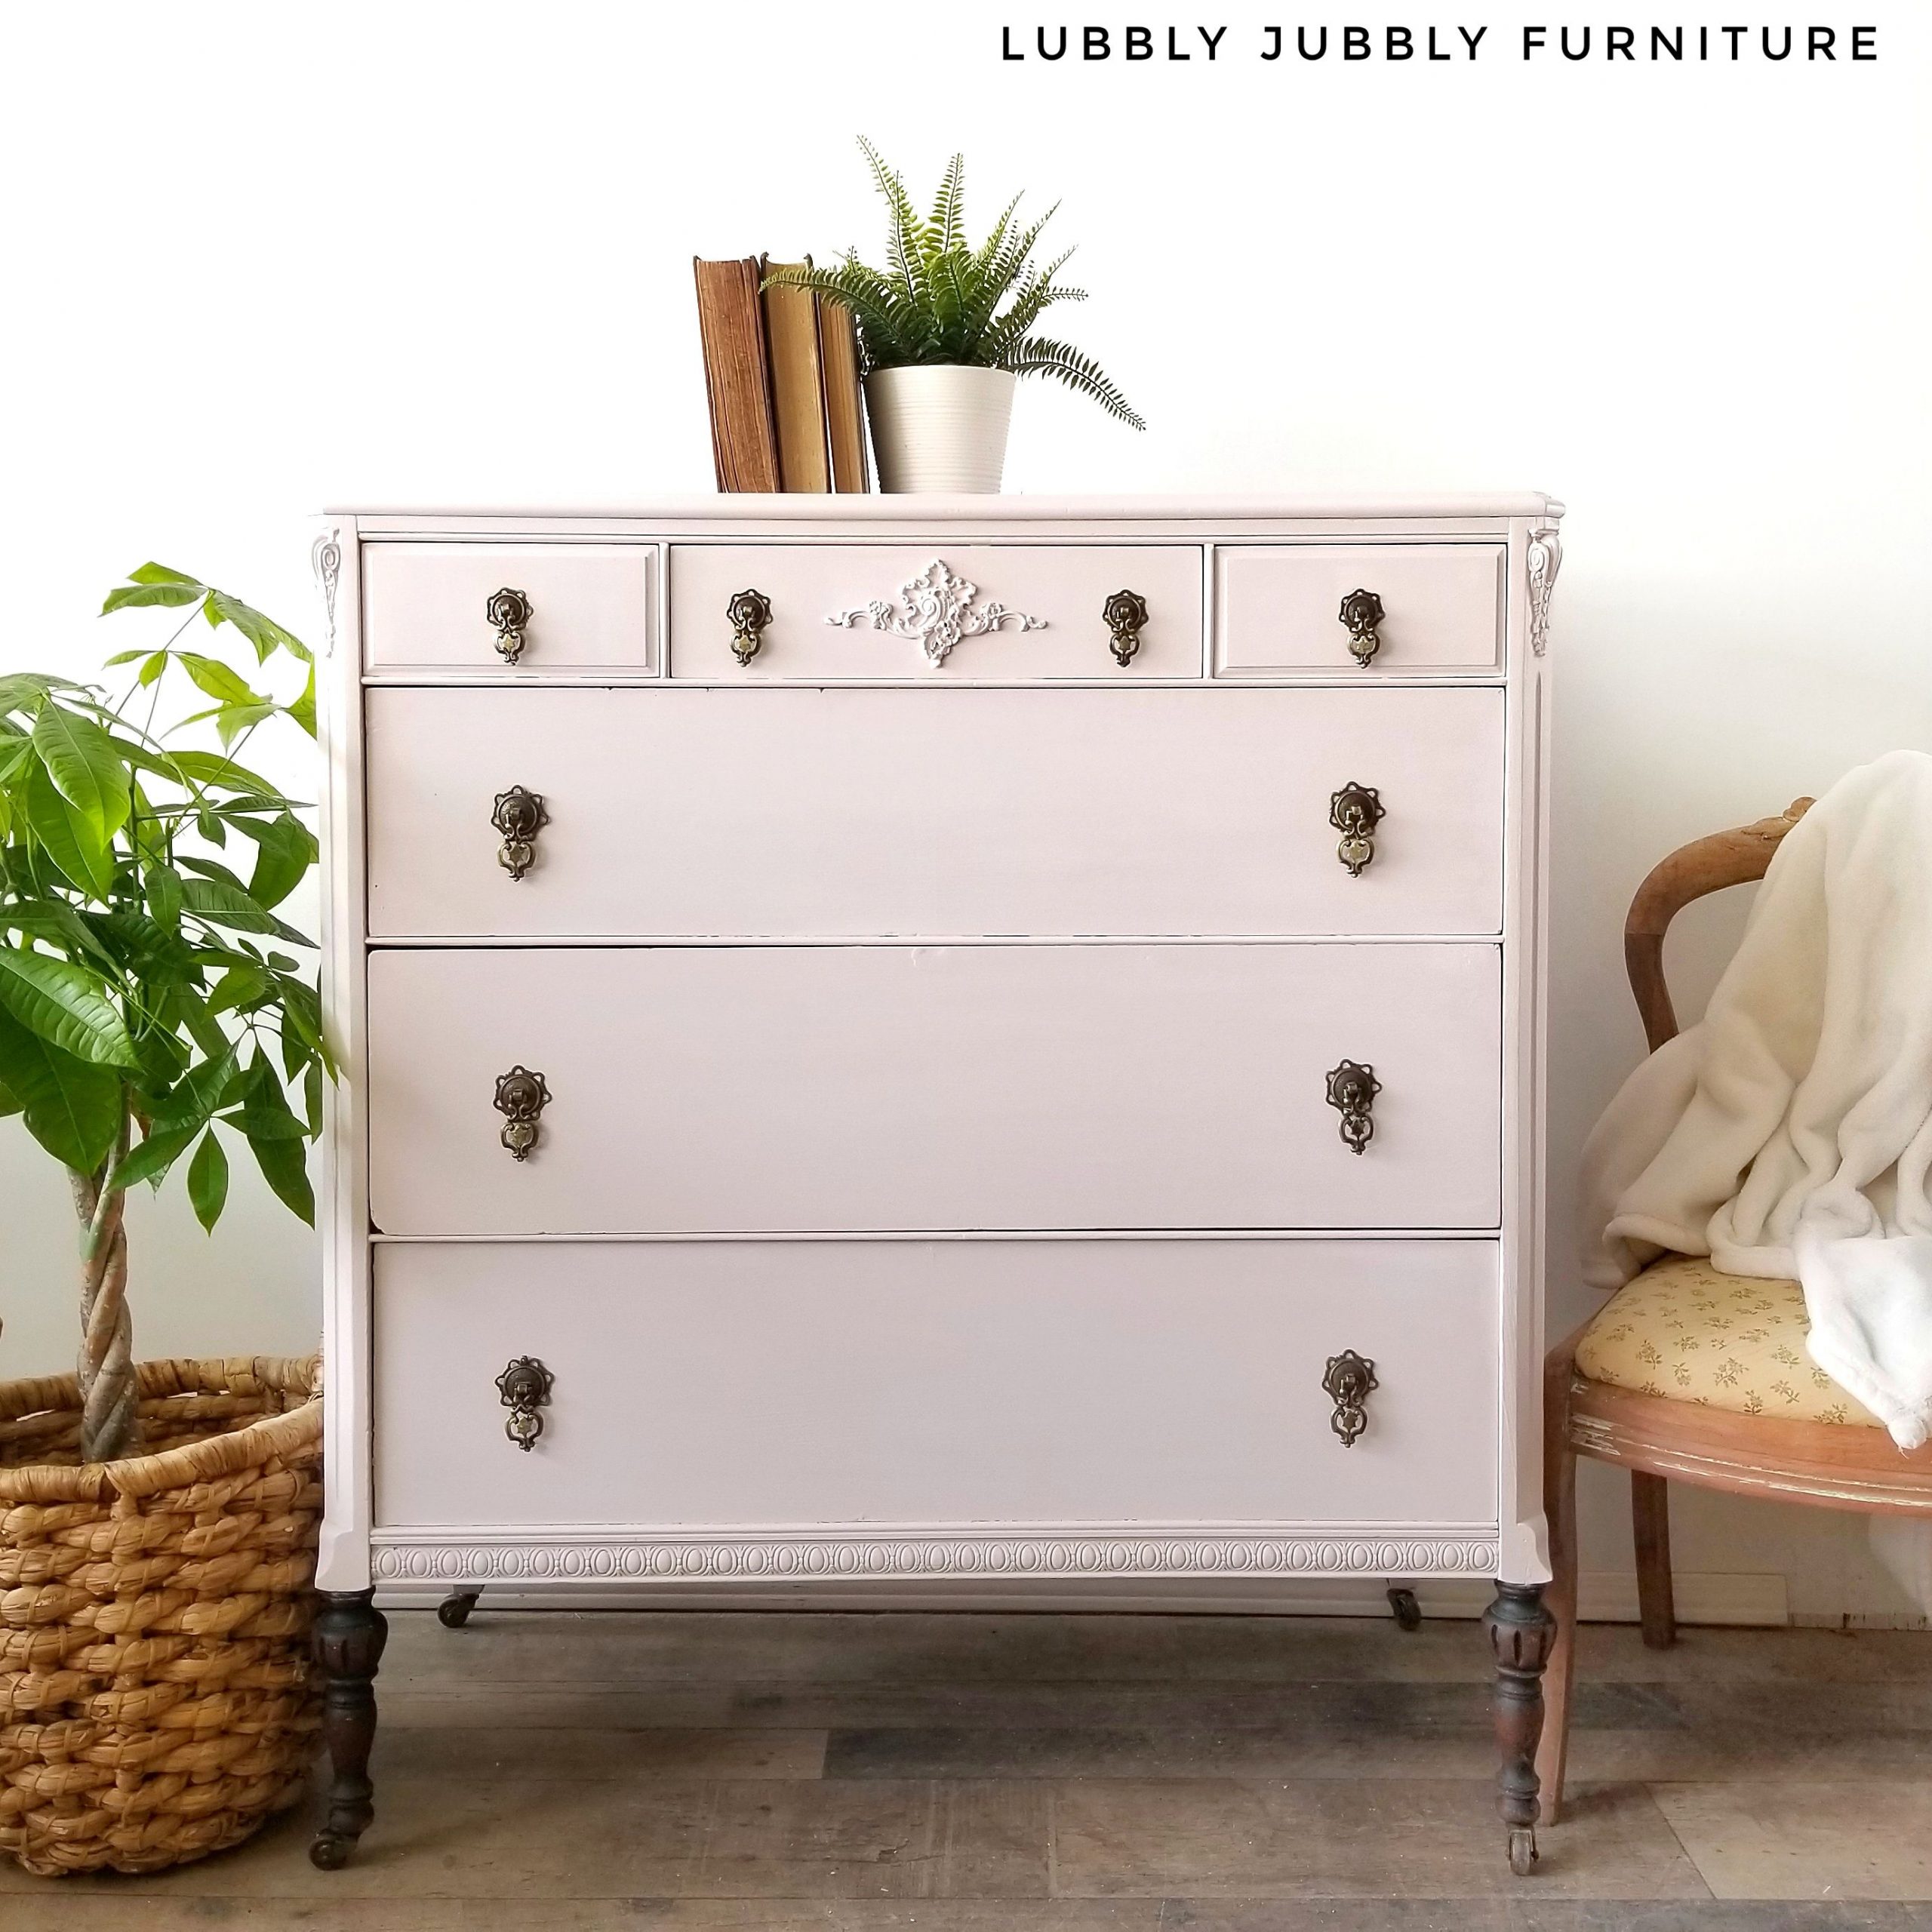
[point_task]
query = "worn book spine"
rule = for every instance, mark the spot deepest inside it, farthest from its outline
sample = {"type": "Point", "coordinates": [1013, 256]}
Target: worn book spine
{"type": "Point", "coordinates": [744, 441]}
{"type": "Point", "coordinates": [797, 382]}
{"type": "Point", "coordinates": [845, 401]}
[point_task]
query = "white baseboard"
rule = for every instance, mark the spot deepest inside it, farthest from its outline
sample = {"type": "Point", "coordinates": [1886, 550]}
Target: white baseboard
{"type": "Point", "coordinates": [1604, 1596]}
{"type": "Point", "coordinates": [1862, 1620]}
{"type": "Point", "coordinates": [1610, 1596]}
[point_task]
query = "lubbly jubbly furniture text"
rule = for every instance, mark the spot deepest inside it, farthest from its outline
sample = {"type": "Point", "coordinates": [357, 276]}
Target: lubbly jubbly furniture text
{"type": "Point", "coordinates": [935, 1038]}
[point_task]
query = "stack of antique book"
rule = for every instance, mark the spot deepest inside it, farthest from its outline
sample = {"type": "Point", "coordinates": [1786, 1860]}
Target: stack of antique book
{"type": "Point", "coordinates": [781, 370]}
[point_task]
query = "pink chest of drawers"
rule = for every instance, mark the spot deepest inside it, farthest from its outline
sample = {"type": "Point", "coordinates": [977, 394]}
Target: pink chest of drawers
{"type": "Point", "coordinates": [898, 1039]}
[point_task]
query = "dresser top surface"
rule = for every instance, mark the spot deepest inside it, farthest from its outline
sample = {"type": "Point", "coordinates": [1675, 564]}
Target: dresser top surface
{"type": "Point", "coordinates": [729, 510]}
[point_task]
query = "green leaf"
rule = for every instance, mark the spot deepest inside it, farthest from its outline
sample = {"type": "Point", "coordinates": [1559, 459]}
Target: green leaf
{"type": "Point", "coordinates": [202, 1091]}
{"type": "Point", "coordinates": [302, 1009]}
{"type": "Point", "coordinates": [18, 689]}
{"type": "Point", "coordinates": [207, 1182]}
{"type": "Point", "coordinates": [57, 921]}
{"type": "Point", "coordinates": [152, 1158]}
{"type": "Point", "coordinates": [73, 1109]}
{"type": "Point", "coordinates": [153, 663]}
{"type": "Point", "coordinates": [303, 709]}
{"type": "Point", "coordinates": [287, 849]}
{"type": "Point", "coordinates": [158, 954]}
{"type": "Point", "coordinates": [264, 633]}
{"type": "Point", "coordinates": [164, 1058]}
{"type": "Point", "coordinates": [215, 768]}
{"type": "Point", "coordinates": [221, 681]}
{"type": "Point", "coordinates": [135, 595]}
{"type": "Point", "coordinates": [213, 869]}
{"type": "Point", "coordinates": [284, 1165]}
{"type": "Point", "coordinates": [154, 583]}
{"type": "Point", "coordinates": [223, 905]}
{"type": "Point", "coordinates": [65, 1004]}
{"type": "Point", "coordinates": [1039, 356]}
{"type": "Point", "coordinates": [8, 1104]}
{"type": "Point", "coordinates": [240, 986]}
{"type": "Point", "coordinates": [264, 1113]}
{"type": "Point", "coordinates": [184, 1007]}
{"type": "Point", "coordinates": [234, 721]}
{"type": "Point", "coordinates": [86, 769]}
{"type": "Point", "coordinates": [163, 890]}
{"type": "Point", "coordinates": [203, 771]}
{"type": "Point", "coordinates": [69, 839]}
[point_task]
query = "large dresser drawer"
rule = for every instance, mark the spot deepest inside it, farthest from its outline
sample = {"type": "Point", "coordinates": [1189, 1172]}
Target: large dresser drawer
{"type": "Point", "coordinates": [814, 814]}
{"type": "Point", "coordinates": [704, 1089]}
{"type": "Point", "coordinates": [1286, 608]}
{"type": "Point", "coordinates": [1058, 1383]}
{"type": "Point", "coordinates": [440, 608]}
{"type": "Point", "coordinates": [967, 611]}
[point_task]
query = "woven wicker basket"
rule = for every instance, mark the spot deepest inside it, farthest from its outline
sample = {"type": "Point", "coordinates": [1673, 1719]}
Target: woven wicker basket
{"type": "Point", "coordinates": [155, 1703]}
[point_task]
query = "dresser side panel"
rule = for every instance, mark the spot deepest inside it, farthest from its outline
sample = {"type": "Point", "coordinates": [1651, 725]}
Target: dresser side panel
{"type": "Point", "coordinates": [342, 1201]}
{"type": "Point", "coordinates": [1525, 1554]}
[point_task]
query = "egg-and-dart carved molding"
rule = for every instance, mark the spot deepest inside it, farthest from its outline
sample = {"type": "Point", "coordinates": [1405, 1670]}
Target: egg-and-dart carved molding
{"type": "Point", "coordinates": [400, 1558]}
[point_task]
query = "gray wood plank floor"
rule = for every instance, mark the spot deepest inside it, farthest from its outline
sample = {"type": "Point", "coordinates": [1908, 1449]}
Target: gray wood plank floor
{"type": "Point", "coordinates": [759, 1772]}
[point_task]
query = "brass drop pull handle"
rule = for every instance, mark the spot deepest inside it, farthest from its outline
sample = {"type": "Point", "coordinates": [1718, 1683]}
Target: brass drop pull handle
{"type": "Point", "coordinates": [519, 817]}
{"type": "Point", "coordinates": [1348, 1384]}
{"type": "Point", "coordinates": [1354, 811]}
{"type": "Point", "coordinates": [1351, 1091]}
{"type": "Point", "coordinates": [508, 612]}
{"type": "Point", "coordinates": [1362, 615]}
{"type": "Point", "coordinates": [1124, 614]}
{"type": "Point", "coordinates": [749, 612]}
{"type": "Point", "coordinates": [521, 1097]}
{"type": "Point", "coordinates": [525, 1387]}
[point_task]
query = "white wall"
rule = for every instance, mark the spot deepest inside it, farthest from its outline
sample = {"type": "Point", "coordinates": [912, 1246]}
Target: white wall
{"type": "Point", "coordinates": [263, 259]}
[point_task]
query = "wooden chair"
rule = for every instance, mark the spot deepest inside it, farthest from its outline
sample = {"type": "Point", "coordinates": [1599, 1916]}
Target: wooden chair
{"type": "Point", "coordinates": [1688, 1375]}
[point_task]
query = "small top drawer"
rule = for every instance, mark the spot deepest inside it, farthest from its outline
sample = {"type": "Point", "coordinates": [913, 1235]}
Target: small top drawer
{"type": "Point", "coordinates": [506, 607]}
{"type": "Point", "coordinates": [1391, 608]}
{"type": "Point", "coordinates": [958, 613]}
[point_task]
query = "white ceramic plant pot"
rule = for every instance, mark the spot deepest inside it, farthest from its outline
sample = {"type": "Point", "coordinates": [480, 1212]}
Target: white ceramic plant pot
{"type": "Point", "coordinates": [940, 428]}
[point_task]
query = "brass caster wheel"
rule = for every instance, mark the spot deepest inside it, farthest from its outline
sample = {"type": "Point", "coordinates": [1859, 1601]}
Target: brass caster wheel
{"type": "Point", "coordinates": [1408, 1612]}
{"type": "Point", "coordinates": [453, 1613]}
{"type": "Point", "coordinates": [1523, 1850]}
{"type": "Point", "coordinates": [330, 1851]}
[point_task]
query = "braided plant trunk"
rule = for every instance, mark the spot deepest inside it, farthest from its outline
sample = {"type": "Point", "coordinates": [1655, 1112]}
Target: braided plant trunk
{"type": "Point", "coordinates": [109, 1418]}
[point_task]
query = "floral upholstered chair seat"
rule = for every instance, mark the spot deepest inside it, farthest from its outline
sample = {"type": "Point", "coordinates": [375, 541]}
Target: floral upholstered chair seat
{"type": "Point", "coordinates": [1684, 1330]}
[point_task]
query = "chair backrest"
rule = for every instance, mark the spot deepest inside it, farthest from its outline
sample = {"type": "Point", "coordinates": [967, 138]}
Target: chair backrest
{"type": "Point", "coordinates": [1705, 865]}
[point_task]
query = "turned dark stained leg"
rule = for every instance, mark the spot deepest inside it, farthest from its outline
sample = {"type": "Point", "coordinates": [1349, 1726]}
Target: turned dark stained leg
{"type": "Point", "coordinates": [1520, 1632]}
{"type": "Point", "coordinates": [349, 1634]}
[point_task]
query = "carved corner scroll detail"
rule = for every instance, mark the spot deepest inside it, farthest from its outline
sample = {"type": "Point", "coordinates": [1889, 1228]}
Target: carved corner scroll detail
{"type": "Point", "coordinates": [1544, 559]}
{"type": "Point", "coordinates": [938, 610]}
{"type": "Point", "coordinates": [325, 556]}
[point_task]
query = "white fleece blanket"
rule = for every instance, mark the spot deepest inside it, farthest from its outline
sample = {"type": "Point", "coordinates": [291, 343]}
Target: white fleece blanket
{"type": "Point", "coordinates": [1789, 1134]}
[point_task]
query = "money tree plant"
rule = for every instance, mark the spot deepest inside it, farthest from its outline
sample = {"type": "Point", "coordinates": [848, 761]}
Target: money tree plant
{"type": "Point", "coordinates": [151, 1016]}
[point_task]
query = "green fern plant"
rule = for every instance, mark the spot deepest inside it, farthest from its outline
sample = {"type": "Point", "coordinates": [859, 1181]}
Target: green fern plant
{"type": "Point", "coordinates": [942, 300]}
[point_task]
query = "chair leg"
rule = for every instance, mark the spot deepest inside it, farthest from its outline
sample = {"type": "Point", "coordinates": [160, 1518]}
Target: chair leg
{"type": "Point", "coordinates": [1560, 1600]}
{"type": "Point", "coordinates": [1649, 1510]}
